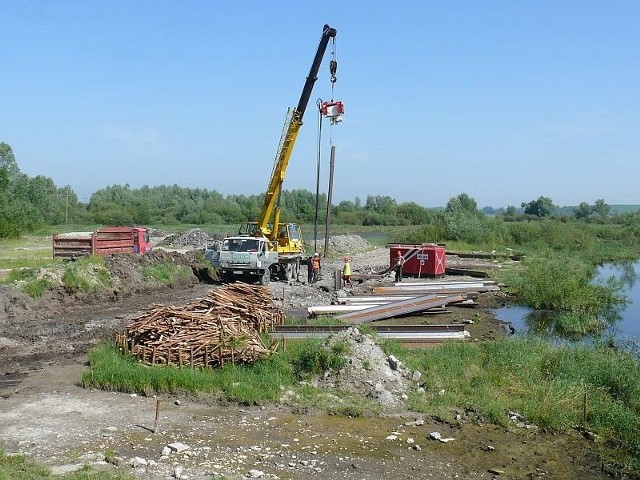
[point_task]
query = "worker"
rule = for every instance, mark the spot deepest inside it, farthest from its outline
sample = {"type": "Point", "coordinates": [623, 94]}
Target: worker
{"type": "Point", "coordinates": [399, 263]}
{"type": "Point", "coordinates": [315, 266]}
{"type": "Point", "coordinates": [309, 263]}
{"type": "Point", "coordinates": [346, 272]}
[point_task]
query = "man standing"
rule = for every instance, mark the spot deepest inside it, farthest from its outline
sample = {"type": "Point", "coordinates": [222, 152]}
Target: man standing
{"type": "Point", "coordinates": [399, 263]}
{"type": "Point", "coordinates": [309, 263]}
{"type": "Point", "coordinates": [315, 264]}
{"type": "Point", "coordinates": [346, 272]}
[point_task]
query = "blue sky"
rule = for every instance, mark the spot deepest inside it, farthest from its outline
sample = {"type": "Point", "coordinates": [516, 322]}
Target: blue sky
{"type": "Point", "coordinates": [505, 101]}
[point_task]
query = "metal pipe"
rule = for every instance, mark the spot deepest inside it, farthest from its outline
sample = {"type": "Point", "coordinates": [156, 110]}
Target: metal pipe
{"type": "Point", "coordinates": [330, 194]}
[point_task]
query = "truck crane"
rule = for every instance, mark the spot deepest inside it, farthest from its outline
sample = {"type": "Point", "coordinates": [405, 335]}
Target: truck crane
{"type": "Point", "coordinates": [267, 246]}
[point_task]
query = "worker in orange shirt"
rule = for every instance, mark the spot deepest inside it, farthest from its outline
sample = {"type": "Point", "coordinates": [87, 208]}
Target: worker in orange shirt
{"type": "Point", "coordinates": [315, 267]}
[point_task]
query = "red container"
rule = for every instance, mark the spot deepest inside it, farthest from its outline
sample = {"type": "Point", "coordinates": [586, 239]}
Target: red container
{"type": "Point", "coordinates": [427, 259]}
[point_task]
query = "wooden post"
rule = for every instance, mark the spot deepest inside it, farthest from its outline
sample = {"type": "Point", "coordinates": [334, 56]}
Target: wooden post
{"type": "Point", "coordinates": [584, 408]}
{"type": "Point", "coordinates": [153, 356]}
{"type": "Point", "coordinates": [155, 423]}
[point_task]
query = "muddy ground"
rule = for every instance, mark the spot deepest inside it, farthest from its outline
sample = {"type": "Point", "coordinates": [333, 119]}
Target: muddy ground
{"type": "Point", "coordinates": [45, 414]}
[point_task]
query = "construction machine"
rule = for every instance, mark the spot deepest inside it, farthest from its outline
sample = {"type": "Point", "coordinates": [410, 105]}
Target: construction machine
{"type": "Point", "coordinates": [267, 247]}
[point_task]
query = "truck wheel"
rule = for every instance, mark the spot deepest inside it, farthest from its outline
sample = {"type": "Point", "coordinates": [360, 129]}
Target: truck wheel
{"type": "Point", "coordinates": [265, 277]}
{"type": "Point", "coordinates": [286, 272]}
{"type": "Point", "coordinates": [227, 278]}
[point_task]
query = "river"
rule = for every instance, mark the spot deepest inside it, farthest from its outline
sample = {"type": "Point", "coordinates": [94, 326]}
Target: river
{"type": "Point", "coordinates": [623, 325]}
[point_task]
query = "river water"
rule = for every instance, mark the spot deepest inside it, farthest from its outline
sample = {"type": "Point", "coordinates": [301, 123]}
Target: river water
{"type": "Point", "coordinates": [623, 325]}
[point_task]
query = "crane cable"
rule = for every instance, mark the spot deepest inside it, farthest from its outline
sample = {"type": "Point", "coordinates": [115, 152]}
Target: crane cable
{"type": "Point", "coordinates": [333, 68]}
{"type": "Point", "coordinates": [315, 222]}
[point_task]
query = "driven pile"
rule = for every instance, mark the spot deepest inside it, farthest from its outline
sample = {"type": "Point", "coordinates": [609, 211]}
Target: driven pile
{"type": "Point", "coordinates": [222, 327]}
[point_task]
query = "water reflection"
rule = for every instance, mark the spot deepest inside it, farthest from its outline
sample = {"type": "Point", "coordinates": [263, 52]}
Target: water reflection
{"type": "Point", "coordinates": [621, 323]}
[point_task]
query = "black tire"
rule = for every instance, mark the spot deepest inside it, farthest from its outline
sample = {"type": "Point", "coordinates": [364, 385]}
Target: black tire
{"type": "Point", "coordinates": [265, 277]}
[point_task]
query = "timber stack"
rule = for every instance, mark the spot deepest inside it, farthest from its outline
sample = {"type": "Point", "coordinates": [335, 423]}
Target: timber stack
{"type": "Point", "coordinates": [223, 327]}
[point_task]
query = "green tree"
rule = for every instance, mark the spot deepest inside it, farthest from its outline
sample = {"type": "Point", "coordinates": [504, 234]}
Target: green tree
{"type": "Point", "coordinates": [8, 161]}
{"type": "Point", "coordinates": [601, 208]}
{"type": "Point", "coordinates": [542, 207]}
{"type": "Point", "coordinates": [462, 203]}
{"type": "Point", "coordinates": [582, 211]}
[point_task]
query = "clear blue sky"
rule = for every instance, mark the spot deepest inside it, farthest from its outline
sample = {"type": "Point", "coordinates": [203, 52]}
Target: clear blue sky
{"type": "Point", "coordinates": [505, 101]}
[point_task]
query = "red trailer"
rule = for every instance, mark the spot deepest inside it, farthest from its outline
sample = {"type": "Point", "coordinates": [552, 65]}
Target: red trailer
{"type": "Point", "coordinates": [106, 241]}
{"type": "Point", "coordinates": [427, 259]}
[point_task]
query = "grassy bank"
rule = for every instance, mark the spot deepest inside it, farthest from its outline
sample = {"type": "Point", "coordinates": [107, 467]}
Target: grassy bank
{"type": "Point", "coordinates": [257, 384]}
{"type": "Point", "coordinates": [18, 467]}
{"type": "Point", "coordinates": [551, 387]}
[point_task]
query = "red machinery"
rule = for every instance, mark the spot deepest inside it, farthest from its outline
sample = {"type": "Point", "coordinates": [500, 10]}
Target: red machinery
{"type": "Point", "coordinates": [333, 110]}
{"type": "Point", "coordinates": [427, 259]}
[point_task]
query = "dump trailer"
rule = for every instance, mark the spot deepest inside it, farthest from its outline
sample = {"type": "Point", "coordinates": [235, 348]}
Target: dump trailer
{"type": "Point", "coordinates": [105, 241]}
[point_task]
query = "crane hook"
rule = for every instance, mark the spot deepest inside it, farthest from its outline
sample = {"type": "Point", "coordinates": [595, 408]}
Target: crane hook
{"type": "Point", "coordinates": [333, 68]}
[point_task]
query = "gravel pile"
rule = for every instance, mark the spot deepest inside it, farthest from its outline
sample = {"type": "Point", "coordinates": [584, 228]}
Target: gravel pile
{"type": "Point", "coordinates": [347, 244]}
{"type": "Point", "coordinates": [195, 238]}
{"type": "Point", "coordinates": [368, 371]}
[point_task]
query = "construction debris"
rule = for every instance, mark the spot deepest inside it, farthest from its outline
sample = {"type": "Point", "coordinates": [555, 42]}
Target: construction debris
{"type": "Point", "coordinates": [403, 307]}
{"type": "Point", "coordinates": [209, 332]}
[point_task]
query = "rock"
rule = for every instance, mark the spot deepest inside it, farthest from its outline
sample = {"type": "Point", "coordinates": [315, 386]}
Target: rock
{"type": "Point", "coordinates": [166, 451]}
{"type": "Point", "coordinates": [65, 469]}
{"type": "Point", "coordinates": [255, 474]}
{"type": "Point", "coordinates": [435, 436]}
{"type": "Point", "coordinates": [415, 423]}
{"type": "Point", "coordinates": [495, 471]}
{"type": "Point", "coordinates": [178, 447]}
{"type": "Point", "coordinates": [137, 462]}
{"type": "Point", "coordinates": [394, 363]}
{"type": "Point", "coordinates": [417, 448]}
{"type": "Point", "coordinates": [178, 471]}
{"type": "Point", "coordinates": [416, 376]}
{"type": "Point", "coordinates": [391, 437]}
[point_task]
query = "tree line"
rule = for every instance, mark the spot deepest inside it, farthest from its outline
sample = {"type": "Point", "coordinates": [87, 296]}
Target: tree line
{"type": "Point", "coordinates": [28, 203]}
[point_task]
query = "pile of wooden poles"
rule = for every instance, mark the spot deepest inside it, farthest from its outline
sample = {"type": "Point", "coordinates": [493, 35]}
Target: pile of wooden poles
{"type": "Point", "coordinates": [208, 332]}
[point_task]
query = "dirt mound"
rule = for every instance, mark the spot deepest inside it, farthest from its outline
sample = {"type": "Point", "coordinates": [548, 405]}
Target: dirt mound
{"type": "Point", "coordinates": [368, 370]}
{"type": "Point", "coordinates": [12, 303]}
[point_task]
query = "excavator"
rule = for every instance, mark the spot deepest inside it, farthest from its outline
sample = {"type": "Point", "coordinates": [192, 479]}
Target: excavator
{"type": "Point", "coordinates": [267, 247]}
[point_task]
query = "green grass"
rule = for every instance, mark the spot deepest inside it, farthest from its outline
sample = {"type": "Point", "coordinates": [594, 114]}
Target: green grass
{"type": "Point", "coordinates": [165, 273]}
{"type": "Point", "coordinates": [544, 383]}
{"type": "Point", "coordinates": [86, 275]}
{"type": "Point", "coordinates": [25, 252]}
{"type": "Point", "coordinates": [563, 283]}
{"type": "Point", "coordinates": [18, 467]}
{"type": "Point", "coordinates": [256, 384]}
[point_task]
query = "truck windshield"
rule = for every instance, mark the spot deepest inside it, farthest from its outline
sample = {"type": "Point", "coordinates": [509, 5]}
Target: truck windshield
{"type": "Point", "coordinates": [240, 245]}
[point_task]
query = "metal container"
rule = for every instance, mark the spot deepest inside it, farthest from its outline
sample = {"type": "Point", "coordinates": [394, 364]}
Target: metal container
{"type": "Point", "coordinates": [423, 260]}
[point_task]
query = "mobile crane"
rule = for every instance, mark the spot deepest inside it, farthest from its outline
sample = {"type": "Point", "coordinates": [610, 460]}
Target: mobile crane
{"type": "Point", "coordinates": [267, 246]}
